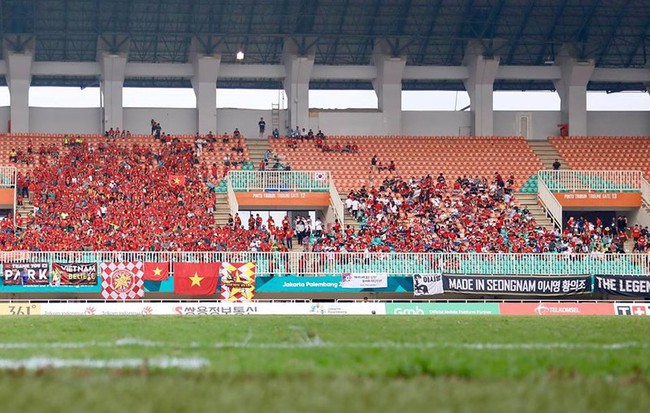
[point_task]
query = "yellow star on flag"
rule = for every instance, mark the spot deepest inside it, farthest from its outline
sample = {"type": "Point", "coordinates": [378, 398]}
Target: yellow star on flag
{"type": "Point", "coordinates": [196, 280]}
{"type": "Point", "coordinates": [157, 271]}
{"type": "Point", "coordinates": [177, 181]}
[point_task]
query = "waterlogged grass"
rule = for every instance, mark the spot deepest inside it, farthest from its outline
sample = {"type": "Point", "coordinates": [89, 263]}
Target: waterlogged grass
{"type": "Point", "coordinates": [507, 364]}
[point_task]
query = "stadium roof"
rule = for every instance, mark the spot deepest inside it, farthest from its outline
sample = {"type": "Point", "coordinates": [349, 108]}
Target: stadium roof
{"type": "Point", "coordinates": [615, 33]}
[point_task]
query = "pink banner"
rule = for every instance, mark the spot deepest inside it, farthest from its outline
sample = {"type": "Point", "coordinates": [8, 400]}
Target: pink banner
{"type": "Point", "coordinates": [548, 308]}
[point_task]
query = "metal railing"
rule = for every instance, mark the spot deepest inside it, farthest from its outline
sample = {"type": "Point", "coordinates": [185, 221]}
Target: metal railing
{"type": "Point", "coordinates": [7, 176]}
{"type": "Point", "coordinates": [233, 205]}
{"type": "Point", "coordinates": [550, 204]}
{"type": "Point", "coordinates": [278, 181]}
{"type": "Point", "coordinates": [591, 181]}
{"type": "Point", "coordinates": [645, 191]}
{"type": "Point", "coordinates": [396, 264]}
{"type": "Point", "coordinates": [335, 203]}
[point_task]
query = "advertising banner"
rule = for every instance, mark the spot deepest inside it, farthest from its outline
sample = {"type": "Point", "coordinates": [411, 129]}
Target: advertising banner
{"type": "Point", "coordinates": [427, 284]}
{"type": "Point", "coordinates": [638, 309]}
{"type": "Point", "coordinates": [517, 285]}
{"type": "Point", "coordinates": [193, 308]}
{"type": "Point", "coordinates": [325, 284]}
{"type": "Point", "coordinates": [629, 285]}
{"type": "Point", "coordinates": [122, 280]}
{"type": "Point", "coordinates": [238, 282]}
{"type": "Point", "coordinates": [283, 199]}
{"type": "Point", "coordinates": [548, 309]}
{"type": "Point", "coordinates": [610, 200]}
{"type": "Point", "coordinates": [442, 308]}
{"type": "Point", "coordinates": [364, 280]}
{"type": "Point", "coordinates": [74, 273]}
{"type": "Point", "coordinates": [108, 308]}
{"type": "Point", "coordinates": [19, 309]}
{"type": "Point", "coordinates": [25, 273]}
{"type": "Point", "coordinates": [7, 197]}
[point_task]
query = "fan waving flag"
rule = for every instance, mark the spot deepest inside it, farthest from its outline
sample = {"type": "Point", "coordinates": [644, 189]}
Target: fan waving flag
{"type": "Point", "coordinates": [122, 280]}
{"type": "Point", "coordinates": [238, 282]}
{"type": "Point", "coordinates": [156, 271]}
{"type": "Point", "coordinates": [177, 180]}
{"type": "Point", "coordinates": [196, 278]}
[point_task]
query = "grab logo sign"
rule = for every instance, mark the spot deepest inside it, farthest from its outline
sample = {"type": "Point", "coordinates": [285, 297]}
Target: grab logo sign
{"type": "Point", "coordinates": [416, 310]}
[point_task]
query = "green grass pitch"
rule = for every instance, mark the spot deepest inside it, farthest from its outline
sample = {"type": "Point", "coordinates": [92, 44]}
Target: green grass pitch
{"type": "Point", "coordinates": [325, 364]}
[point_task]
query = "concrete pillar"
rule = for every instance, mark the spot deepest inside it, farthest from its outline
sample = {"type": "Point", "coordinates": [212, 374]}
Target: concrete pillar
{"type": "Point", "coordinates": [388, 87]}
{"type": "Point", "coordinates": [480, 86]}
{"type": "Point", "coordinates": [298, 67]}
{"type": "Point", "coordinates": [19, 79]}
{"type": "Point", "coordinates": [204, 83]}
{"type": "Point", "coordinates": [113, 67]}
{"type": "Point", "coordinates": [572, 88]}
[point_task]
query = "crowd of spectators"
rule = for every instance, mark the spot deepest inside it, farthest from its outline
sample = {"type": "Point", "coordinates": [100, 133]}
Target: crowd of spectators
{"type": "Point", "coordinates": [115, 197]}
{"type": "Point", "coordinates": [320, 142]}
{"type": "Point", "coordinates": [377, 166]}
{"type": "Point", "coordinates": [125, 134]}
{"type": "Point", "coordinates": [467, 215]}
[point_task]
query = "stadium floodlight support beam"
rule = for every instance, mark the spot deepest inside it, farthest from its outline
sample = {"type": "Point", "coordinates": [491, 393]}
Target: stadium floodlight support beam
{"type": "Point", "coordinates": [388, 86]}
{"type": "Point", "coordinates": [19, 78]}
{"type": "Point", "coordinates": [112, 64]}
{"type": "Point", "coordinates": [204, 82]}
{"type": "Point", "coordinates": [482, 71]}
{"type": "Point", "coordinates": [298, 65]}
{"type": "Point", "coordinates": [572, 88]}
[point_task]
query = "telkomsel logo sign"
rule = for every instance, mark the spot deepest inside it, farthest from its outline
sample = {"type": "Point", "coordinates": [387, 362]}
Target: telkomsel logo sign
{"type": "Point", "coordinates": [556, 309]}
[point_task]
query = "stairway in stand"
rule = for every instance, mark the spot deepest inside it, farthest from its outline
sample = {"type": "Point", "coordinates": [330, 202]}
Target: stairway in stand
{"type": "Point", "coordinates": [348, 218]}
{"type": "Point", "coordinates": [25, 208]}
{"type": "Point", "coordinates": [221, 209]}
{"type": "Point", "coordinates": [256, 149]}
{"type": "Point", "coordinates": [528, 200]}
{"type": "Point", "coordinates": [547, 153]}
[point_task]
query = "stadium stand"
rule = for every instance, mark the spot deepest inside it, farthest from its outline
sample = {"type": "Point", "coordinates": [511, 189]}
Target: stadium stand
{"type": "Point", "coordinates": [605, 152]}
{"type": "Point", "coordinates": [138, 206]}
{"type": "Point", "coordinates": [430, 215]}
{"type": "Point", "coordinates": [454, 156]}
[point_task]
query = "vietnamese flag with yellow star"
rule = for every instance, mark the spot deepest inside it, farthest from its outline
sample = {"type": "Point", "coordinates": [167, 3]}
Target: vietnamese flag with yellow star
{"type": "Point", "coordinates": [191, 278]}
{"type": "Point", "coordinates": [177, 180]}
{"type": "Point", "coordinates": [156, 271]}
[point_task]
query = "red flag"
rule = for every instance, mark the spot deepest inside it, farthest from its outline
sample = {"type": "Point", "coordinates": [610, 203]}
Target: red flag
{"type": "Point", "coordinates": [177, 180]}
{"type": "Point", "coordinates": [156, 271]}
{"type": "Point", "coordinates": [196, 278]}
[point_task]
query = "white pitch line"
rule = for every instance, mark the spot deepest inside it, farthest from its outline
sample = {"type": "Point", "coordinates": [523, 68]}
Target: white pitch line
{"type": "Point", "coordinates": [33, 363]}
{"type": "Point", "coordinates": [317, 342]}
{"type": "Point", "coordinates": [425, 345]}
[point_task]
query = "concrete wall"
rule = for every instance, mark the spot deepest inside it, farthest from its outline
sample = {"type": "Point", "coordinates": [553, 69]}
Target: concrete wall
{"type": "Point", "coordinates": [618, 123]}
{"type": "Point", "coordinates": [436, 123]}
{"type": "Point", "coordinates": [246, 120]}
{"type": "Point", "coordinates": [359, 122]}
{"type": "Point", "coordinates": [542, 124]}
{"type": "Point", "coordinates": [4, 118]}
{"type": "Point", "coordinates": [347, 122]}
{"type": "Point", "coordinates": [180, 121]}
{"type": "Point", "coordinates": [64, 120]}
